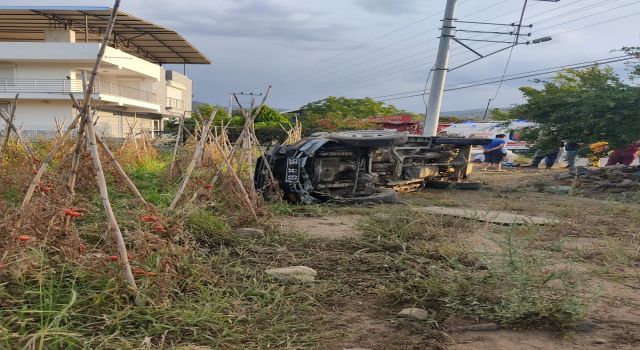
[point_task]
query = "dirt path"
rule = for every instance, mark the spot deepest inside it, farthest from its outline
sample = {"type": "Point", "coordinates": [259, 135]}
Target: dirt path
{"type": "Point", "coordinates": [329, 227]}
{"type": "Point", "coordinates": [601, 244]}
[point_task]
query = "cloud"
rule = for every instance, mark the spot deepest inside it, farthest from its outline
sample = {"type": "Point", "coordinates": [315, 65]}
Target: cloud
{"type": "Point", "coordinates": [389, 7]}
{"type": "Point", "coordinates": [285, 22]}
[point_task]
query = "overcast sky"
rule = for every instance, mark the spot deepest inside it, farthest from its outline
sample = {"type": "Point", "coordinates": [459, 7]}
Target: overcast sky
{"type": "Point", "coordinates": [312, 49]}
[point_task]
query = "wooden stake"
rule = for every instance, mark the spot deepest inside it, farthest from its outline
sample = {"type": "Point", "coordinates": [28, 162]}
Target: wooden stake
{"type": "Point", "coordinates": [90, 130]}
{"type": "Point", "coordinates": [45, 163]}
{"type": "Point", "coordinates": [194, 160]}
{"type": "Point", "coordinates": [80, 142]}
{"type": "Point", "coordinates": [121, 172]}
{"type": "Point", "coordinates": [177, 144]}
{"type": "Point", "coordinates": [25, 144]}
{"type": "Point", "coordinates": [7, 132]}
{"type": "Point", "coordinates": [245, 195]}
{"type": "Point", "coordinates": [114, 228]}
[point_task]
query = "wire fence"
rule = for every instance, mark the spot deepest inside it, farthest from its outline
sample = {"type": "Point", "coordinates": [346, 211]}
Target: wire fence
{"type": "Point", "coordinates": [46, 133]}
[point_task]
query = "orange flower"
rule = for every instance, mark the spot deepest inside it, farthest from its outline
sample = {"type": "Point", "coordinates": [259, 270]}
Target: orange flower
{"type": "Point", "coordinates": [72, 213]}
{"type": "Point", "coordinates": [150, 218]}
{"type": "Point", "coordinates": [113, 258]}
{"type": "Point", "coordinates": [208, 186]}
{"type": "Point", "coordinates": [159, 228]}
{"type": "Point", "coordinates": [23, 238]}
{"type": "Point", "coordinates": [138, 271]}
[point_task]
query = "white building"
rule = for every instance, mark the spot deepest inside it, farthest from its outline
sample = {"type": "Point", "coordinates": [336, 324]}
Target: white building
{"type": "Point", "coordinates": [43, 51]}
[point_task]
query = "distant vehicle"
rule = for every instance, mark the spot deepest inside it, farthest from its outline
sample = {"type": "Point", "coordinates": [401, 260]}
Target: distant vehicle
{"type": "Point", "coordinates": [490, 130]}
{"type": "Point", "coordinates": [364, 166]}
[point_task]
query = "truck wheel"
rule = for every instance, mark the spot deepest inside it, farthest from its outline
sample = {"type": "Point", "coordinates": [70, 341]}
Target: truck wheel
{"type": "Point", "coordinates": [370, 138]}
{"type": "Point", "coordinates": [444, 185]}
{"type": "Point", "coordinates": [438, 184]}
{"type": "Point", "coordinates": [467, 185]}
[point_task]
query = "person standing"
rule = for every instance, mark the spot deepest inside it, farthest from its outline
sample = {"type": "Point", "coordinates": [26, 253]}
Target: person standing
{"type": "Point", "coordinates": [597, 150]}
{"type": "Point", "coordinates": [625, 155]}
{"type": "Point", "coordinates": [571, 149]}
{"type": "Point", "coordinates": [495, 152]}
{"type": "Point", "coordinates": [549, 157]}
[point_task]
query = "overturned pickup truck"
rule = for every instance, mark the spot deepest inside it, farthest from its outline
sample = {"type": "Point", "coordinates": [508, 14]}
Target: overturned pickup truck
{"type": "Point", "coordinates": [364, 166]}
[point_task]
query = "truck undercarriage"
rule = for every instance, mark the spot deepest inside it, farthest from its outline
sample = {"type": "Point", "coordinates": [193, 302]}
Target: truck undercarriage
{"type": "Point", "coordinates": [363, 166]}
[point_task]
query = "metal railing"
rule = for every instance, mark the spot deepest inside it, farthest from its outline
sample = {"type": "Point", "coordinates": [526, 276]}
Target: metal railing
{"type": "Point", "coordinates": [74, 86]}
{"type": "Point", "coordinates": [175, 103]}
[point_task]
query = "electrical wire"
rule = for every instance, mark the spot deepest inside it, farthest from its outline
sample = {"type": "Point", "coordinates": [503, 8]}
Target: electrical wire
{"type": "Point", "coordinates": [454, 88]}
{"type": "Point", "coordinates": [324, 70]}
{"type": "Point", "coordinates": [386, 72]}
{"type": "Point", "coordinates": [349, 79]}
{"type": "Point", "coordinates": [539, 71]}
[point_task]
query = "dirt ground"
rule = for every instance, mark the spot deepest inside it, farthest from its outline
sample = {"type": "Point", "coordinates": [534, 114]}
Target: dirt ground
{"type": "Point", "coordinates": [599, 241]}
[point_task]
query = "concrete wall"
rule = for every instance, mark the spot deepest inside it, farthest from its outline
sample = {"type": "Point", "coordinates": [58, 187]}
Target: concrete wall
{"type": "Point", "coordinates": [180, 82]}
{"type": "Point", "coordinates": [37, 108]}
{"type": "Point", "coordinates": [37, 119]}
{"type": "Point", "coordinates": [76, 52]}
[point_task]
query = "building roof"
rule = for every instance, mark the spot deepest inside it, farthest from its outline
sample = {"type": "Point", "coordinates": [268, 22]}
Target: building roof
{"type": "Point", "coordinates": [134, 35]}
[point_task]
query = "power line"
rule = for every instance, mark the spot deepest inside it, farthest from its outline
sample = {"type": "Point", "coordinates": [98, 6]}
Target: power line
{"type": "Point", "coordinates": [361, 45]}
{"type": "Point", "coordinates": [562, 16]}
{"type": "Point", "coordinates": [506, 66]}
{"type": "Point", "coordinates": [352, 59]}
{"type": "Point", "coordinates": [540, 71]}
{"type": "Point", "coordinates": [322, 86]}
{"type": "Point", "coordinates": [454, 88]}
{"type": "Point", "coordinates": [355, 79]}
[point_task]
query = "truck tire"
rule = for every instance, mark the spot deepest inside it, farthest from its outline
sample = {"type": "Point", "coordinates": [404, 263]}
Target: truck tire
{"type": "Point", "coordinates": [370, 138]}
{"type": "Point", "coordinates": [467, 185]}
{"type": "Point", "coordinates": [445, 185]}
{"type": "Point", "coordinates": [386, 195]}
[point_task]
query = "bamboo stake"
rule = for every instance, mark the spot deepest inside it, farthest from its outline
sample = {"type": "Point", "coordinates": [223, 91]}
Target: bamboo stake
{"type": "Point", "coordinates": [177, 144]}
{"type": "Point", "coordinates": [143, 132]}
{"type": "Point", "coordinates": [7, 132]}
{"type": "Point", "coordinates": [244, 193]}
{"type": "Point", "coordinates": [77, 152]}
{"type": "Point", "coordinates": [120, 170]}
{"type": "Point", "coordinates": [194, 160]}
{"type": "Point", "coordinates": [234, 148]}
{"type": "Point", "coordinates": [25, 144]}
{"type": "Point", "coordinates": [132, 135]}
{"type": "Point", "coordinates": [102, 183]}
{"type": "Point", "coordinates": [45, 163]}
{"type": "Point", "coordinates": [104, 196]}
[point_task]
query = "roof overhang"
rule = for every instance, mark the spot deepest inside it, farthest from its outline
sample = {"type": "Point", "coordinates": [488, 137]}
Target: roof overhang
{"type": "Point", "coordinates": [136, 36]}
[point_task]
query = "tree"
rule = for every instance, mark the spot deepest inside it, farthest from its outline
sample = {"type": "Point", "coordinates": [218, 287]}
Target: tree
{"type": "Point", "coordinates": [585, 106]}
{"type": "Point", "coordinates": [343, 107]}
{"type": "Point", "coordinates": [201, 112]}
{"type": "Point", "coordinates": [337, 113]}
{"type": "Point", "coordinates": [451, 119]}
{"type": "Point", "coordinates": [498, 114]}
{"type": "Point", "coordinates": [271, 117]}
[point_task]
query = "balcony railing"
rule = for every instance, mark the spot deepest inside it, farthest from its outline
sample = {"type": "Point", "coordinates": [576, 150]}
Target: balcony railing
{"type": "Point", "coordinates": [175, 103]}
{"type": "Point", "coordinates": [65, 86]}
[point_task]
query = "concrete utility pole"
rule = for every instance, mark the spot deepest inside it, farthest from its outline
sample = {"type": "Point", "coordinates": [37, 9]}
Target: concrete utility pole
{"type": "Point", "coordinates": [440, 71]}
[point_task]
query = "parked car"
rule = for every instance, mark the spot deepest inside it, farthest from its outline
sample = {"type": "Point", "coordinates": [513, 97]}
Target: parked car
{"type": "Point", "coordinates": [364, 166]}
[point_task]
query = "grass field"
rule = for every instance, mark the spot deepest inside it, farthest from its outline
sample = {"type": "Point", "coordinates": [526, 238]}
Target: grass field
{"type": "Point", "coordinates": [568, 286]}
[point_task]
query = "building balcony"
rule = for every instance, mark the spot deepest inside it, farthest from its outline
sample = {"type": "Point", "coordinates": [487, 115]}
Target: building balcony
{"type": "Point", "coordinates": [66, 86]}
{"type": "Point", "coordinates": [175, 104]}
